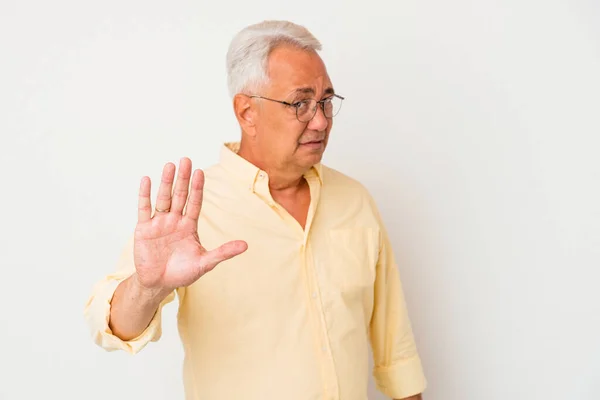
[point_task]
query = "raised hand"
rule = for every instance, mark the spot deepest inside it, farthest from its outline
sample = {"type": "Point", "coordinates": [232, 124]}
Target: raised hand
{"type": "Point", "coordinates": [167, 250]}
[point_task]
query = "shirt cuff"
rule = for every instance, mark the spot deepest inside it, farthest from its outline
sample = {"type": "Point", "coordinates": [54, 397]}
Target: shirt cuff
{"type": "Point", "coordinates": [97, 313]}
{"type": "Point", "coordinates": [403, 379]}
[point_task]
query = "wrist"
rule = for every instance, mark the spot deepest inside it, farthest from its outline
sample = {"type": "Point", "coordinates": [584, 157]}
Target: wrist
{"type": "Point", "coordinates": [145, 294]}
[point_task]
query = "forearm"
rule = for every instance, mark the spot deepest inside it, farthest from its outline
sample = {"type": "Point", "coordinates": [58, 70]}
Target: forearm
{"type": "Point", "coordinates": [132, 308]}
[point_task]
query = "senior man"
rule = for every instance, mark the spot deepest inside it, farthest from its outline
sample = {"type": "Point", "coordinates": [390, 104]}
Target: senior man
{"type": "Point", "coordinates": [307, 278]}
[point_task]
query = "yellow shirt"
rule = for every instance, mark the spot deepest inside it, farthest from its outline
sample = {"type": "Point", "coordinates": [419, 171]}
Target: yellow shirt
{"type": "Point", "coordinates": [292, 317]}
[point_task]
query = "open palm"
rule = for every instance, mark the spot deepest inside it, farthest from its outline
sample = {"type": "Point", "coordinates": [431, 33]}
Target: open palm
{"type": "Point", "coordinates": [167, 250]}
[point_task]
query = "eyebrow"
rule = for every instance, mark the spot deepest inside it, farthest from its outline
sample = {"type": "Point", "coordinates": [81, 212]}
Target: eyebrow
{"type": "Point", "coordinates": [308, 90]}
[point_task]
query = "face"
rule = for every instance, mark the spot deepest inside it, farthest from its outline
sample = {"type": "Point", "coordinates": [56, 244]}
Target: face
{"type": "Point", "coordinates": [281, 140]}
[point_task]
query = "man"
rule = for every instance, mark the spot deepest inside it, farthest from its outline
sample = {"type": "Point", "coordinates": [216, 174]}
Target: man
{"type": "Point", "coordinates": [307, 276]}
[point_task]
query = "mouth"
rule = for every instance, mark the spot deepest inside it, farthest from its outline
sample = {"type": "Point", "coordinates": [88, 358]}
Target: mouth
{"type": "Point", "coordinates": [313, 141]}
{"type": "Point", "coordinates": [313, 144]}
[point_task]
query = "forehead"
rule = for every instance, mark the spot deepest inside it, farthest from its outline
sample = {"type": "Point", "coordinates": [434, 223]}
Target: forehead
{"type": "Point", "coordinates": [290, 69]}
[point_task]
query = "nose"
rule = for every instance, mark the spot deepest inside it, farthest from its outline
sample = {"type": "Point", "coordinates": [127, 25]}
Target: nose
{"type": "Point", "coordinates": [319, 121]}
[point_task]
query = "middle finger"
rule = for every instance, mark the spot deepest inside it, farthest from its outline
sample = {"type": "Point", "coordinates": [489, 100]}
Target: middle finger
{"type": "Point", "coordinates": [180, 193]}
{"type": "Point", "coordinates": [163, 198]}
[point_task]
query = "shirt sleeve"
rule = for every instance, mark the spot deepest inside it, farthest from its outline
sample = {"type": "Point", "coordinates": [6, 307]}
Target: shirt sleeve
{"type": "Point", "coordinates": [397, 366]}
{"type": "Point", "coordinates": [97, 309]}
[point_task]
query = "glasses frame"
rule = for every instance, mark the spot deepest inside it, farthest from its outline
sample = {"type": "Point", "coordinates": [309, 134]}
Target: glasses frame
{"type": "Point", "coordinates": [296, 105]}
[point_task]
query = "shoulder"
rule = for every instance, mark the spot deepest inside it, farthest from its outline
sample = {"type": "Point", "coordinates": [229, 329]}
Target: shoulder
{"type": "Point", "coordinates": [218, 185]}
{"type": "Point", "coordinates": [217, 179]}
{"type": "Point", "coordinates": [213, 172]}
{"type": "Point", "coordinates": [340, 188]}
{"type": "Point", "coordinates": [341, 183]}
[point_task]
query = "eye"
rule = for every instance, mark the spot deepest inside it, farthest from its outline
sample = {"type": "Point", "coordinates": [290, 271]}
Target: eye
{"type": "Point", "coordinates": [301, 103]}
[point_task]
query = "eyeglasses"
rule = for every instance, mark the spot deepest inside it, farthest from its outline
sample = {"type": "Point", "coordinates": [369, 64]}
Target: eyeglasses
{"type": "Point", "coordinates": [307, 109]}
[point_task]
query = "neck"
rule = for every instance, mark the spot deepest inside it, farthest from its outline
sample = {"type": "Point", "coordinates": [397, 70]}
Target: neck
{"type": "Point", "coordinates": [280, 178]}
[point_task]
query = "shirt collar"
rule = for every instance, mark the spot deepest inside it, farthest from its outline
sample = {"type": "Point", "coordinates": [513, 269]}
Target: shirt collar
{"type": "Point", "coordinates": [248, 172]}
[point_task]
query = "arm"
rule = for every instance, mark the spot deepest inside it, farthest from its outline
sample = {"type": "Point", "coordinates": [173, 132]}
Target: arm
{"type": "Point", "coordinates": [132, 308]}
{"type": "Point", "coordinates": [107, 311]}
{"type": "Point", "coordinates": [164, 256]}
{"type": "Point", "coordinates": [398, 371]}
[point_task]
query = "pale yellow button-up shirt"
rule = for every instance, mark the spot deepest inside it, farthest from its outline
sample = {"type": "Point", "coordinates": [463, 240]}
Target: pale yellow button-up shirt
{"type": "Point", "coordinates": [292, 317]}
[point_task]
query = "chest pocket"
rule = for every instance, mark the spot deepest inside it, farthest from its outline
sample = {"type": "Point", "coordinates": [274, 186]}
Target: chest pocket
{"type": "Point", "coordinates": [351, 258]}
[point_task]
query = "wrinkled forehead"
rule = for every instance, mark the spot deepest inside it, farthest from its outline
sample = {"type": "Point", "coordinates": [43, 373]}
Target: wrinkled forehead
{"type": "Point", "coordinates": [312, 91]}
{"type": "Point", "coordinates": [293, 71]}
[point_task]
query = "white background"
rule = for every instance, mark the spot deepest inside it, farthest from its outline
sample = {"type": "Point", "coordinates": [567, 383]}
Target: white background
{"type": "Point", "coordinates": [475, 124]}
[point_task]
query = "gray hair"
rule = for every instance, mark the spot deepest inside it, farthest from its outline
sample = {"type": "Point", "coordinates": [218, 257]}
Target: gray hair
{"type": "Point", "coordinates": [249, 52]}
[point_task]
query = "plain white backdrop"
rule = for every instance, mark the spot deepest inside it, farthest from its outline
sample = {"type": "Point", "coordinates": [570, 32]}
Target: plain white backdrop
{"type": "Point", "coordinates": [475, 124]}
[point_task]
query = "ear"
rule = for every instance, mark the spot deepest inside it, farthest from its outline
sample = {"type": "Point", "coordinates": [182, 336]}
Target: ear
{"type": "Point", "coordinates": [245, 112]}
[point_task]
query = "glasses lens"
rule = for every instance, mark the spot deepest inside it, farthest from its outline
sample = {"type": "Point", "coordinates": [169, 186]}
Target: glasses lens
{"type": "Point", "coordinates": [306, 110]}
{"type": "Point", "coordinates": [332, 106]}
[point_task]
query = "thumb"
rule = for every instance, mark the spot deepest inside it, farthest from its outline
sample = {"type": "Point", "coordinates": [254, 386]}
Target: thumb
{"type": "Point", "coordinates": [222, 253]}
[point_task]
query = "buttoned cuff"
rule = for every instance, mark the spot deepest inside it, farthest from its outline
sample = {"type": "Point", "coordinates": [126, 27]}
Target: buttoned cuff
{"type": "Point", "coordinates": [98, 315]}
{"type": "Point", "coordinates": [403, 379]}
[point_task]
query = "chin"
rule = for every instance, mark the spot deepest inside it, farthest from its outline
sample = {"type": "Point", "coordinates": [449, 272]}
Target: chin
{"type": "Point", "coordinates": [313, 158]}
{"type": "Point", "coordinates": [311, 153]}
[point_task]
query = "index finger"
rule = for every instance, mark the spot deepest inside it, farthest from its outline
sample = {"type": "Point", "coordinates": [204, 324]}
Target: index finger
{"type": "Point", "coordinates": [144, 203]}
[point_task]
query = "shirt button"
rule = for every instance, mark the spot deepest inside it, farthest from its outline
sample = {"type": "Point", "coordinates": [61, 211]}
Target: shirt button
{"type": "Point", "coordinates": [324, 348]}
{"type": "Point", "coordinates": [261, 175]}
{"type": "Point", "coordinates": [314, 295]}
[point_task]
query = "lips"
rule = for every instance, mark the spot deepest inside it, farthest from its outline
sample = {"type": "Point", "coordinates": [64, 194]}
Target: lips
{"type": "Point", "coordinates": [313, 142]}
